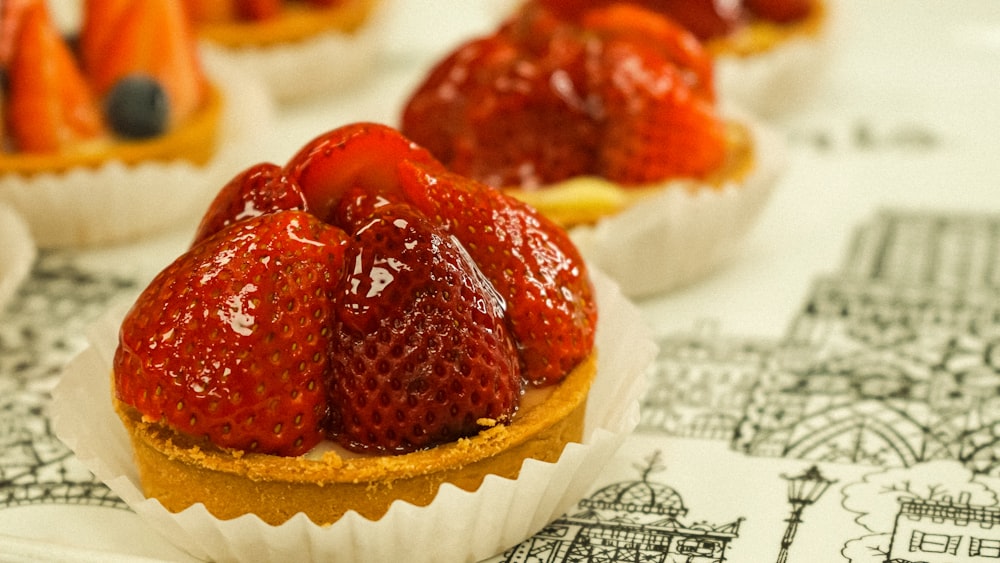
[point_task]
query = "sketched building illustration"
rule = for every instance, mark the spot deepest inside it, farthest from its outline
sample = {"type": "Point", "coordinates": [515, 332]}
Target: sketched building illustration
{"type": "Point", "coordinates": [893, 360]}
{"type": "Point", "coordinates": [704, 380]}
{"type": "Point", "coordinates": [940, 531]}
{"type": "Point", "coordinates": [638, 520]}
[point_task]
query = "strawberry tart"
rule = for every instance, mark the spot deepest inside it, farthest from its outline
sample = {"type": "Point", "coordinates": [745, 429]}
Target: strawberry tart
{"type": "Point", "coordinates": [131, 105]}
{"type": "Point", "coordinates": [760, 47]}
{"type": "Point", "coordinates": [355, 328]}
{"type": "Point", "coordinates": [283, 40]}
{"type": "Point", "coordinates": [608, 124]}
{"type": "Point", "coordinates": [359, 347]}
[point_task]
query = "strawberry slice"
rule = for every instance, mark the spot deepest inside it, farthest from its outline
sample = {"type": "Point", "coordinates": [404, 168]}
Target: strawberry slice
{"type": "Point", "coordinates": [256, 10]}
{"type": "Point", "coordinates": [420, 354]}
{"type": "Point", "coordinates": [153, 38]}
{"type": "Point", "coordinates": [11, 12]}
{"type": "Point", "coordinates": [501, 115]}
{"type": "Point", "coordinates": [258, 190]}
{"type": "Point", "coordinates": [705, 18]}
{"type": "Point", "coordinates": [616, 91]}
{"type": "Point", "coordinates": [210, 11]}
{"type": "Point", "coordinates": [363, 155]}
{"type": "Point", "coordinates": [780, 11]}
{"type": "Point", "coordinates": [531, 262]}
{"type": "Point", "coordinates": [99, 30]}
{"type": "Point", "coordinates": [49, 104]}
{"type": "Point", "coordinates": [230, 341]}
{"type": "Point", "coordinates": [652, 132]}
{"type": "Point", "coordinates": [670, 43]}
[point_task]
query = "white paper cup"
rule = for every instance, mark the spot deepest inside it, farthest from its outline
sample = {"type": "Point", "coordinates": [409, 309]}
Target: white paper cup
{"type": "Point", "coordinates": [324, 64]}
{"type": "Point", "coordinates": [457, 526]}
{"type": "Point", "coordinates": [17, 253]}
{"type": "Point", "coordinates": [777, 81]}
{"type": "Point", "coordinates": [117, 203]}
{"type": "Point", "coordinates": [685, 231]}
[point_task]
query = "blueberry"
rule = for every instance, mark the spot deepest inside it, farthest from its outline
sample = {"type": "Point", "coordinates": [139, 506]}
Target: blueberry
{"type": "Point", "coordinates": [137, 107]}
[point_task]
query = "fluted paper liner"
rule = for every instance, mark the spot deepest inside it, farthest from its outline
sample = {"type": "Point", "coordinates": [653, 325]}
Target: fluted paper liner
{"type": "Point", "coordinates": [686, 230]}
{"type": "Point", "coordinates": [119, 203]}
{"type": "Point", "coordinates": [457, 526]}
{"type": "Point", "coordinates": [304, 70]}
{"type": "Point", "coordinates": [17, 253]}
{"type": "Point", "coordinates": [776, 81]}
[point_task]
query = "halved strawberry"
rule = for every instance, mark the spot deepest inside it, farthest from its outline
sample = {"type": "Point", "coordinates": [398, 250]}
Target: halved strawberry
{"type": "Point", "coordinates": [99, 30]}
{"type": "Point", "coordinates": [11, 12]}
{"type": "Point", "coordinates": [661, 37]}
{"type": "Point", "coordinates": [781, 11]}
{"type": "Point", "coordinates": [256, 10]}
{"type": "Point", "coordinates": [230, 341]}
{"type": "Point", "coordinates": [421, 353]}
{"type": "Point", "coordinates": [210, 11]}
{"type": "Point", "coordinates": [362, 155]}
{"type": "Point", "coordinates": [263, 188]}
{"type": "Point", "coordinates": [705, 18]}
{"type": "Point", "coordinates": [152, 38]}
{"type": "Point", "coordinates": [505, 116]}
{"type": "Point", "coordinates": [616, 91]}
{"type": "Point", "coordinates": [531, 262]}
{"type": "Point", "coordinates": [657, 126]}
{"type": "Point", "coordinates": [49, 105]}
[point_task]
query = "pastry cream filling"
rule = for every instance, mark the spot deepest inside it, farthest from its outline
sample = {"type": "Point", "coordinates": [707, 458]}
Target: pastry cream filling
{"type": "Point", "coordinates": [532, 397]}
{"type": "Point", "coordinates": [586, 199]}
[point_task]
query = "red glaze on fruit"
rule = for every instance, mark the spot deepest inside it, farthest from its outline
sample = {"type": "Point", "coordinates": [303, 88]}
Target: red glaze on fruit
{"type": "Point", "coordinates": [154, 38]}
{"type": "Point", "coordinates": [660, 120]}
{"type": "Point", "coordinates": [260, 189]}
{"type": "Point", "coordinates": [231, 340]}
{"type": "Point", "coordinates": [49, 104]}
{"type": "Point", "coordinates": [444, 293]}
{"type": "Point", "coordinates": [99, 30]}
{"type": "Point", "coordinates": [546, 99]}
{"type": "Point", "coordinates": [11, 12]}
{"type": "Point", "coordinates": [258, 9]}
{"type": "Point", "coordinates": [531, 262]}
{"type": "Point", "coordinates": [420, 348]}
{"type": "Point", "coordinates": [363, 155]}
{"type": "Point", "coordinates": [780, 11]}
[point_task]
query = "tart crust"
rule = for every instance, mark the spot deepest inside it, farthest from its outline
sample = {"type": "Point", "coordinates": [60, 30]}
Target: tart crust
{"type": "Point", "coordinates": [587, 199]}
{"type": "Point", "coordinates": [180, 471]}
{"type": "Point", "coordinates": [194, 140]}
{"type": "Point", "coordinates": [295, 23]}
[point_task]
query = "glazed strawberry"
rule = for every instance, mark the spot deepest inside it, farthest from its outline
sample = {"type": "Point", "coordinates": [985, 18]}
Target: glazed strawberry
{"type": "Point", "coordinates": [618, 92]}
{"type": "Point", "coordinates": [421, 354]}
{"type": "Point", "coordinates": [705, 18]}
{"type": "Point", "coordinates": [781, 11]}
{"type": "Point", "coordinates": [99, 30]}
{"type": "Point", "coordinates": [49, 105]}
{"type": "Point", "coordinates": [258, 9]}
{"type": "Point", "coordinates": [528, 132]}
{"type": "Point", "coordinates": [210, 11]}
{"type": "Point", "coordinates": [663, 42]}
{"type": "Point", "coordinates": [11, 12]}
{"type": "Point", "coordinates": [363, 155]}
{"type": "Point", "coordinates": [533, 265]}
{"type": "Point", "coordinates": [258, 190]}
{"type": "Point", "coordinates": [654, 132]}
{"type": "Point", "coordinates": [230, 341]}
{"type": "Point", "coordinates": [152, 38]}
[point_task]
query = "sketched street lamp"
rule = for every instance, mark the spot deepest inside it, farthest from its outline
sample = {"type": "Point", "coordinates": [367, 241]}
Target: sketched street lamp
{"type": "Point", "coordinates": [803, 490]}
